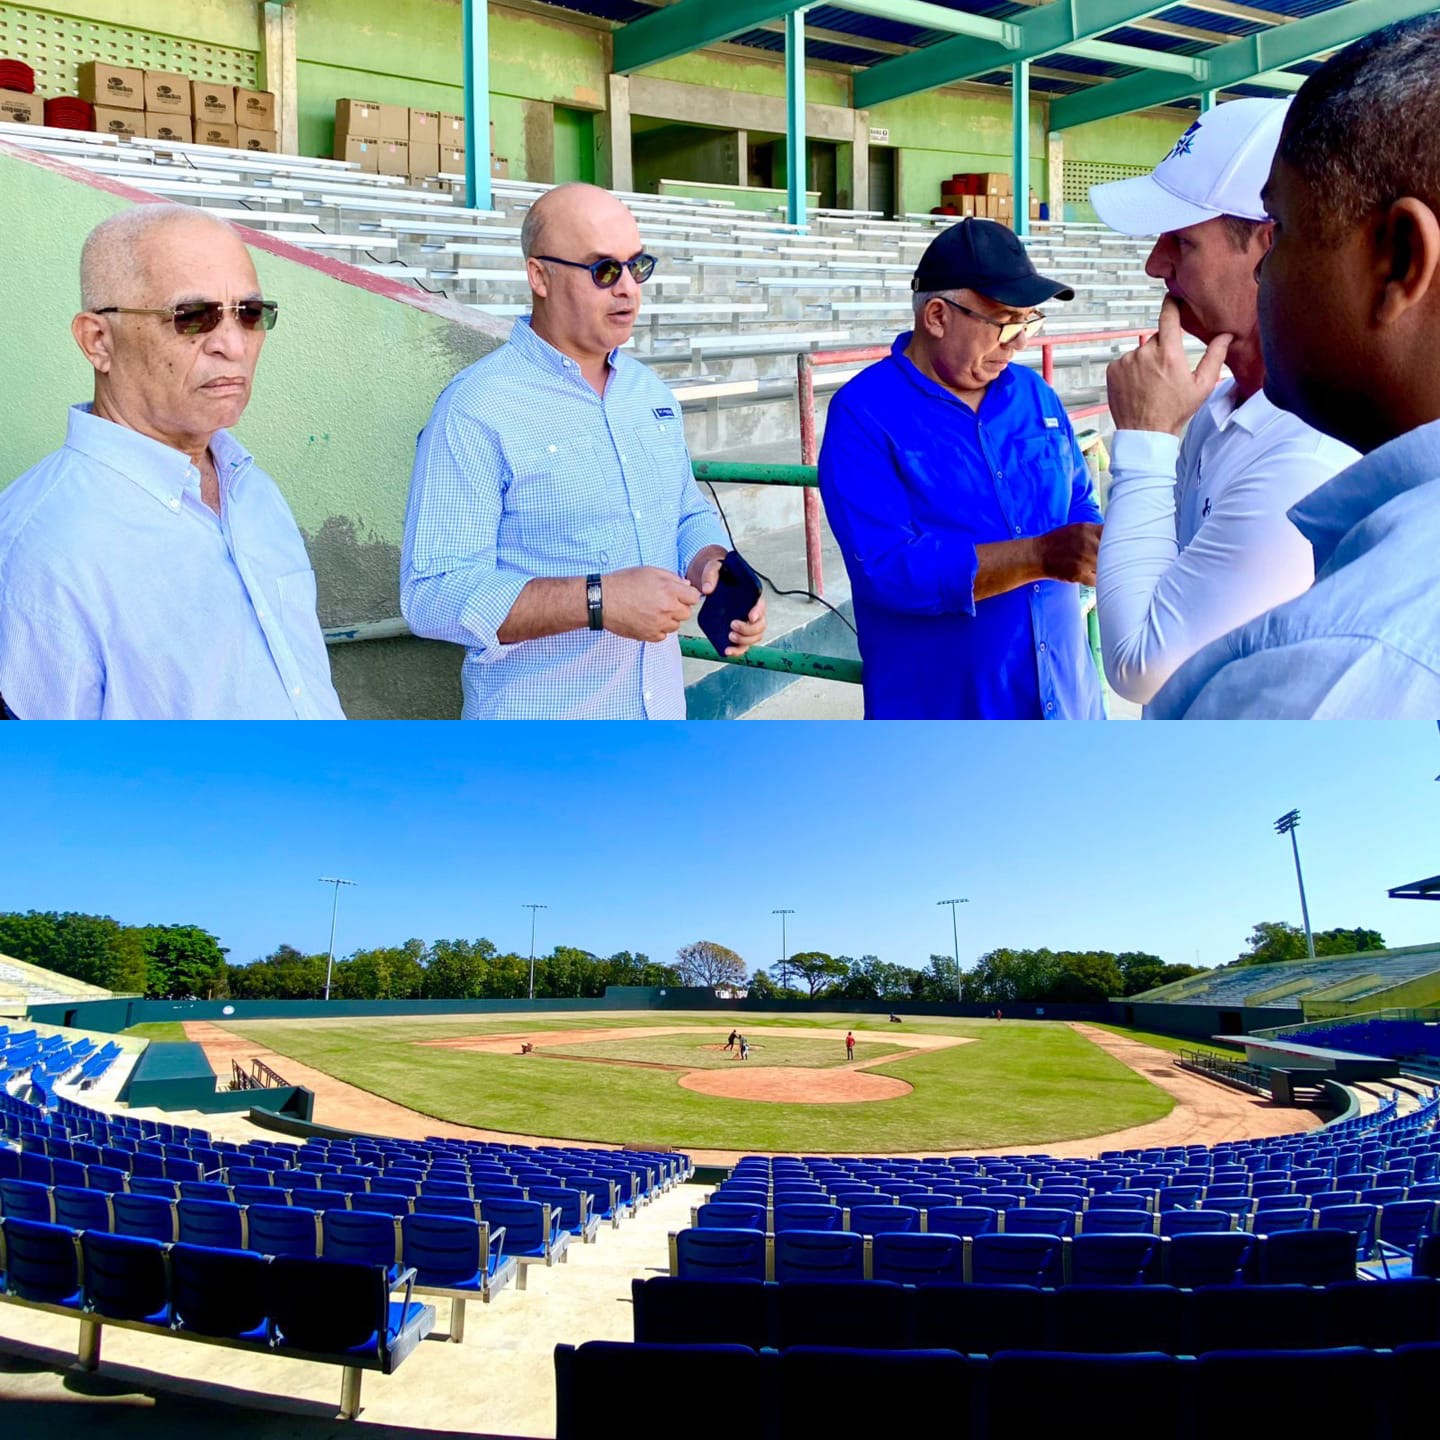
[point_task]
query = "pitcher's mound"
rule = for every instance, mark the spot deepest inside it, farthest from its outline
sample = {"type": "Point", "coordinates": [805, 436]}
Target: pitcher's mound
{"type": "Point", "coordinates": [794, 1085]}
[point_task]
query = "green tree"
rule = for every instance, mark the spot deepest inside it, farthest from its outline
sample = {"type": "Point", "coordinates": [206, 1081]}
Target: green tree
{"type": "Point", "coordinates": [458, 969]}
{"type": "Point", "coordinates": [1272, 941]}
{"type": "Point", "coordinates": [185, 962]}
{"type": "Point", "coordinates": [285, 974]}
{"type": "Point", "coordinates": [821, 973]}
{"type": "Point", "coordinates": [708, 963]}
{"type": "Point", "coordinates": [870, 978]}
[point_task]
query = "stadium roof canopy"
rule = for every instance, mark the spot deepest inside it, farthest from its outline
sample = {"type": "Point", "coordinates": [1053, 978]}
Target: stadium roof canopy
{"type": "Point", "coordinates": [1417, 890]}
{"type": "Point", "coordinates": [1100, 57]}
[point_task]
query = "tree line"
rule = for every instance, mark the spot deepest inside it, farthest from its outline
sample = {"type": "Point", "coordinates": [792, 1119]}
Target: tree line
{"type": "Point", "coordinates": [187, 961]}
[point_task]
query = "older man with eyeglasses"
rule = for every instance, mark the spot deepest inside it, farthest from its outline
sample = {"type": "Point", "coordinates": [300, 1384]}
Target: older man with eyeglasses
{"type": "Point", "coordinates": [148, 568]}
{"type": "Point", "coordinates": [554, 528]}
{"type": "Point", "coordinates": [961, 503]}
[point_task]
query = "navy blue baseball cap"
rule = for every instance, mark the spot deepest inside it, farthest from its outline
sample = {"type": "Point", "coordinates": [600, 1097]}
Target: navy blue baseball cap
{"type": "Point", "coordinates": [988, 258]}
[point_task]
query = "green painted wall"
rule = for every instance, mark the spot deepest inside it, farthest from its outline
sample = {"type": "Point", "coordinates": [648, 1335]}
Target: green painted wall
{"type": "Point", "coordinates": [752, 77]}
{"type": "Point", "coordinates": [1144, 139]}
{"type": "Point", "coordinates": [345, 383]}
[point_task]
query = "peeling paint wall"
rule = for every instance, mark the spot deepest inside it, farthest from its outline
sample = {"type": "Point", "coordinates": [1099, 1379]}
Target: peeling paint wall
{"type": "Point", "coordinates": [345, 383]}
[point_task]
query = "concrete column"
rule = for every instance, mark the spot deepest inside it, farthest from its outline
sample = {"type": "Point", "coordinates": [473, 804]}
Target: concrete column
{"type": "Point", "coordinates": [1055, 173]}
{"type": "Point", "coordinates": [859, 149]}
{"type": "Point", "coordinates": [475, 62]}
{"type": "Point", "coordinates": [795, 166]}
{"type": "Point", "coordinates": [742, 157]}
{"type": "Point", "coordinates": [1209, 99]}
{"type": "Point", "coordinates": [278, 70]}
{"type": "Point", "coordinates": [614, 164]}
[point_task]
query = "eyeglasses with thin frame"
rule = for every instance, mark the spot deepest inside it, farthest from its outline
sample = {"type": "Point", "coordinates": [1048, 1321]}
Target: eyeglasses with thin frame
{"type": "Point", "coordinates": [200, 317]}
{"type": "Point", "coordinates": [606, 272]}
{"type": "Point", "coordinates": [1009, 329]}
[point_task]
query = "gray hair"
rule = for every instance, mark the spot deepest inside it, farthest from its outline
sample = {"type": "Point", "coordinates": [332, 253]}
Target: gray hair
{"type": "Point", "coordinates": [110, 260]}
{"type": "Point", "coordinates": [922, 298]}
{"type": "Point", "coordinates": [1362, 131]}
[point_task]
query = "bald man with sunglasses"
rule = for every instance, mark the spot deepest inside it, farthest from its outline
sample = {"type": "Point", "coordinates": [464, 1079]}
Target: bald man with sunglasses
{"type": "Point", "coordinates": [555, 530]}
{"type": "Point", "coordinates": [149, 570]}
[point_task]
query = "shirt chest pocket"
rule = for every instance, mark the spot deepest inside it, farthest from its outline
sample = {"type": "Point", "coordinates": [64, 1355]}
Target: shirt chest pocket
{"type": "Point", "coordinates": [658, 455]}
{"type": "Point", "coordinates": [557, 511]}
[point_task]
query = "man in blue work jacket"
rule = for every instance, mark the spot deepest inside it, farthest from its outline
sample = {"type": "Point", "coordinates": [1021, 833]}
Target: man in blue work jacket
{"type": "Point", "coordinates": [961, 502]}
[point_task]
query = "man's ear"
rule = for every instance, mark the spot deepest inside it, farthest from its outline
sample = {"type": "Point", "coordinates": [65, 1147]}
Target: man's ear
{"type": "Point", "coordinates": [933, 317]}
{"type": "Point", "coordinates": [535, 273]}
{"type": "Point", "coordinates": [1407, 252]}
{"type": "Point", "coordinates": [1260, 242]}
{"type": "Point", "coordinates": [93, 337]}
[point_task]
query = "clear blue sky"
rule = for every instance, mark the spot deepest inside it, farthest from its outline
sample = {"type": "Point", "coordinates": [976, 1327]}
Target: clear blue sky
{"type": "Point", "coordinates": [1142, 837]}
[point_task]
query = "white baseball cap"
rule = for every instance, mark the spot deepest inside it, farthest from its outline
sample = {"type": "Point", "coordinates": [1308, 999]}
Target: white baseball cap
{"type": "Point", "coordinates": [1217, 167]}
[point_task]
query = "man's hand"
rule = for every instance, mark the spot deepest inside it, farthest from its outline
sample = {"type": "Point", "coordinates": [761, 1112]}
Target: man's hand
{"type": "Point", "coordinates": [1153, 388]}
{"type": "Point", "coordinates": [646, 603]}
{"type": "Point", "coordinates": [743, 633]}
{"type": "Point", "coordinates": [1070, 552]}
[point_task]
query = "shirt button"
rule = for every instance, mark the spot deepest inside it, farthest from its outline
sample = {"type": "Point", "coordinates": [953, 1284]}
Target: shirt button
{"type": "Point", "coordinates": [259, 614]}
{"type": "Point", "coordinates": [999, 474]}
{"type": "Point", "coordinates": [637, 514]}
{"type": "Point", "coordinates": [1017, 529]}
{"type": "Point", "coordinates": [1049, 704]}
{"type": "Point", "coordinates": [174, 504]}
{"type": "Point", "coordinates": [1042, 646]}
{"type": "Point", "coordinates": [296, 690]}
{"type": "Point", "coordinates": [1037, 589]}
{"type": "Point", "coordinates": [647, 697]}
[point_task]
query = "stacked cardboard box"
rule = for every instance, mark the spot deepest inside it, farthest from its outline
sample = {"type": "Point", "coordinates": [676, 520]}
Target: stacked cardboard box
{"type": "Point", "coordinates": [163, 105]}
{"type": "Point", "coordinates": [118, 95]}
{"type": "Point", "coordinates": [376, 136]}
{"type": "Point", "coordinates": [255, 120]}
{"type": "Point", "coordinates": [987, 194]}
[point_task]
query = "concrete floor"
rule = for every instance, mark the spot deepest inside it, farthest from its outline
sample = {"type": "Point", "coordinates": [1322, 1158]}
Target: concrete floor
{"type": "Point", "coordinates": [499, 1382]}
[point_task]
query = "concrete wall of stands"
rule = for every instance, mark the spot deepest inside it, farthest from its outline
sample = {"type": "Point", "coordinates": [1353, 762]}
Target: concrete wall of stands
{"type": "Point", "coordinates": [547, 75]}
{"type": "Point", "coordinates": [345, 384]}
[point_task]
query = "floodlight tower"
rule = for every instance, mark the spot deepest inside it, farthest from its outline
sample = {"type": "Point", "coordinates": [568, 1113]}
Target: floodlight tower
{"type": "Point", "coordinates": [334, 908]}
{"type": "Point", "coordinates": [1287, 825]}
{"type": "Point", "coordinates": [532, 908]}
{"type": "Point", "coordinates": [784, 950]}
{"type": "Point", "coordinates": [955, 932]}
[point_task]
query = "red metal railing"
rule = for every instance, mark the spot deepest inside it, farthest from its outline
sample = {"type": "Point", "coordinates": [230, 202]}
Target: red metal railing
{"type": "Point", "coordinates": [809, 439]}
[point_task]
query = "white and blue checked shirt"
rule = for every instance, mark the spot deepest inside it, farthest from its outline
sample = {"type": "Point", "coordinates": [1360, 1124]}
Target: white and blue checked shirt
{"type": "Point", "coordinates": [124, 596]}
{"type": "Point", "coordinates": [522, 472]}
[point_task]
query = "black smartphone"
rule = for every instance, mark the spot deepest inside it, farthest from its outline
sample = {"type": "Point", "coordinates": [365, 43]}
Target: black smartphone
{"type": "Point", "coordinates": [732, 599]}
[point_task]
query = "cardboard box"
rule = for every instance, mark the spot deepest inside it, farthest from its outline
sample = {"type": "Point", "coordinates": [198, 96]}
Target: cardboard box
{"type": "Point", "coordinates": [169, 127]}
{"type": "Point", "coordinates": [984, 207]}
{"type": "Point", "coordinates": [167, 93]}
{"type": "Point", "coordinates": [452, 161]}
{"type": "Point", "coordinates": [425, 128]}
{"type": "Point", "coordinates": [263, 140]}
{"type": "Point", "coordinates": [424, 157]}
{"type": "Point", "coordinates": [213, 104]}
{"type": "Point", "coordinates": [119, 122]}
{"type": "Point", "coordinates": [997, 182]}
{"type": "Point", "coordinates": [1034, 208]}
{"type": "Point", "coordinates": [358, 119]}
{"type": "Point", "coordinates": [965, 204]}
{"type": "Point", "coordinates": [254, 109]}
{"type": "Point", "coordinates": [452, 131]}
{"type": "Point", "coordinates": [1004, 206]}
{"type": "Point", "coordinates": [360, 150]}
{"type": "Point", "coordinates": [394, 157]}
{"type": "Point", "coordinates": [207, 133]}
{"type": "Point", "coordinates": [117, 87]}
{"type": "Point", "coordinates": [17, 108]}
{"type": "Point", "coordinates": [499, 168]}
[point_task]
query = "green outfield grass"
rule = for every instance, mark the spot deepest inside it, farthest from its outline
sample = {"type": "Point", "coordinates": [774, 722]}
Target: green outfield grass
{"type": "Point", "coordinates": [1173, 1043]}
{"type": "Point", "coordinates": [1019, 1084]}
{"type": "Point", "coordinates": [704, 1052]}
{"type": "Point", "coordinates": [157, 1030]}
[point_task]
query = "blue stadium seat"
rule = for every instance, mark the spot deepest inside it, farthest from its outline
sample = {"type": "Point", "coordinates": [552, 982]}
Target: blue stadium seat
{"type": "Point", "coordinates": [1121, 1200]}
{"type": "Point", "coordinates": [1405, 1222]}
{"type": "Point", "coordinates": [734, 1215]}
{"type": "Point", "coordinates": [863, 1314]}
{"type": "Point", "coordinates": [452, 1205]}
{"type": "Point", "coordinates": [1195, 1222]}
{"type": "Point", "coordinates": [1200, 1259]}
{"type": "Point", "coordinates": [962, 1220]}
{"type": "Point", "coordinates": [360, 1237]}
{"type": "Point", "coordinates": [260, 1195]}
{"type": "Point", "coordinates": [1308, 1257]}
{"type": "Point", "coordinates": [1051, 1391]}
{"type": "Point", "coordinates": [1359, 1220]}
{"type": "Point", "coordinates": [1015, 1259]}
{"type": "Point", "coordinates": [824, 1391]}
{"type": "Point", "coordinates": [82, 1209]}
{"type": "Point", "coordinates": [1275, 1222]}
{"type": "Point", "coordinates": [1299, 1392]}
{"type": "Point", "coordinates": [381, 1202]}
{"type": "Point", "coordinates": [211, 1223]}
{"type": "Point", "coordinates": [104, 1177]}
{"type": "Point", "coordinates": [25, 1200]}
{"type": "Point", "coordinates": [154, 1185]}
{"type": "Point", "coordinates": [147, 1217]}
{"type": "Point", "coordinates": [910, 1259]}
{"type": "Point", "coordinates": [1107, 1319]}
{"type": "Point", "coordinates": [699, 1312]}
{"type": "Point", "coordinates": [219, 1292]}
{"type": "Point", "coordinates": [820, 1255]}
{"type": "Point", "coordinates": [125, 1278]}
{"type": "Point", "coordinates": [1117, 1222]}
{"type": "Point", "coordinates": [568, 1210]}
{"type": "Point", "coordinates": [1038, 1220]}
{"type": "Point", "coordinates": [206, 1190]}
{"type": "Point", "coordinates": [883, 1219]}
{"type": "Point", "coordinates": [1382, 1316]}
{"type": "Point", "coordinates": [282, 1230]}
{"type": "Point", "coordinates": [42, 1262]}
{"type": "Point", "coordinates": [1100, 1259]}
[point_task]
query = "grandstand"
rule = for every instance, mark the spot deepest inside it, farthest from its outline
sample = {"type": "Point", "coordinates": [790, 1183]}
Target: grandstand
{"type": "Point", "coordinates": [23, 985]}
{"type": "Point", "coordinates": [787, 195]}
{"type": "Point", "coordinates": [1319, 989]}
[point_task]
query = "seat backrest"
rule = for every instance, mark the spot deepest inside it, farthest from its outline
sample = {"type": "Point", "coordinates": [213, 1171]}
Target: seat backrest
{"type": "Point", "coordinates": [212, 1223]}
{"type": "Point", "coordinates": [25, 1200]}
{"type": "Point", "coordinates": [125, 1276]}
{"type": "Point", "coordinates": [819, 1255]}
{"type": "Point", "coordinates": [700, 1312]}
{"type": "Point", "coordinates": [282, 1230]}
{"type": "Point", "coordinates": [961, 1219]}
{"type": "Point", "coordinates": [1117, 1222]}
{"type": "Point", "coordinates": [1308, 1257]}
{"type": "Point", "coordinates": [1111, 1259]}
{"type": "Point", "coordinates": [42, 1261]}
{"type": "Point", "coordinates": [730, 1215]}
{"type": "Point", "coordinates": [1014, 1259]}
{"type": "Point", "coordinates": [359, 1236]}
{"type": "Point", "coordinates": [883, 1219]}
{"type": "Point", "coordinates": [1037, 1220]}
{"type": "Point", "coordinates": [1300, 1392]}
{"type": "Point", "coordinates": [443, 1249]}
{"type": "Point", "coordinates": [860, 1313]}
{"type": "Point", "coordinates": [150, 1217]}
{"type": "Point", "coordinates": [1201, 1259]}
{"type": "Point", "coordinates": [82, 1209]}
{"type": "Point", "coordinates": [1116, 1319]}
{"type": "Point", "coordinates": [720, 1254]}
{"type": "Point", "coordinates": [1191, 1222]}
{"type": "Point", "coordinates": [910, 1259]}
{"type": "Point", "coordinates": [218, 1291]}
{"type": "Point", "coordinates": [327, 1307]}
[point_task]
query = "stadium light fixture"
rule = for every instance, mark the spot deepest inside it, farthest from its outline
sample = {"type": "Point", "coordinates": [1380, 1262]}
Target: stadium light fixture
{"type": "Point", "coordinates": [1287, 825]}
{"type": "Point", "coordinates": [784, 950]}
{"type": "Point", "coordinates": [334, 908]}
{"type": "Point", "coordinates": [955, 932]}
{"type": "Point", "coordinates": [532, 908]}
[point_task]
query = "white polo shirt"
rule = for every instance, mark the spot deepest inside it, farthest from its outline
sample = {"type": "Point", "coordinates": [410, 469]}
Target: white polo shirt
{"type": "Point", "coordinates": [1196, 538]}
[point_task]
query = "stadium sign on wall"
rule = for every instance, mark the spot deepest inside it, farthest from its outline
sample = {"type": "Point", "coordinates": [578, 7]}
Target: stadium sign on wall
{"type": "Point", "coordinates": [879, 135]}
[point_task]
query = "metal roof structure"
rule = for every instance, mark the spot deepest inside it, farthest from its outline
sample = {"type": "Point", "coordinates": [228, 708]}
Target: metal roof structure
{"type": "Point", "coordinates": [1417, 890]}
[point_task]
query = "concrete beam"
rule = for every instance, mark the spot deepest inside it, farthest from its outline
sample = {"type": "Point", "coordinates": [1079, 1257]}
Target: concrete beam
{"type": "Point", "coordinates": [1043, 31]}
{"type": "Point", "coordinates": [691, 25]}
{"type": "Point", "coordinates": [1237, 63]}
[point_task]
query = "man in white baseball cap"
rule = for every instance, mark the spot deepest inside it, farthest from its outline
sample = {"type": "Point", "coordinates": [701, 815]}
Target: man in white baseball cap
{"type": "Point", "coordinates": [1196, 539]}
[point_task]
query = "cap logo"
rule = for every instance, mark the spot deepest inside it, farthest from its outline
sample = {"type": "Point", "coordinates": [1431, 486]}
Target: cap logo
{"type": "Point", "coordinates": [1185, 144]}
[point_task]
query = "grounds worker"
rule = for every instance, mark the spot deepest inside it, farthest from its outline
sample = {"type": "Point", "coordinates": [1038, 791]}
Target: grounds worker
{"type": "Point", "coordinates": [961, 503]}
{"type": "Point", "coordinates": [554, 527]}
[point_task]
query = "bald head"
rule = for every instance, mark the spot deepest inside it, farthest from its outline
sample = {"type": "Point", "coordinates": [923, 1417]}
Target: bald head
{"type": "Point", "coordinates": [122, 254]}
{"type": "Point", "coordinates": [567, 214]}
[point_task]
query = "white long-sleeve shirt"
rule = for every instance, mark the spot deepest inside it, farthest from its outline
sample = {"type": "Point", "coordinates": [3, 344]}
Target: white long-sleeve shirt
{"type": "Point", "coordinates": [1196, 538]}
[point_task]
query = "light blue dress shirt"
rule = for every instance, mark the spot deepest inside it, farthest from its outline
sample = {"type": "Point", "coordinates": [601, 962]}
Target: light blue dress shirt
{"type": "Point", "coordinates": [123, 596]}
{"type": "Point", "coordinates": [1364, 642]}
{"type": "Point", "coordinates": [522, 472]}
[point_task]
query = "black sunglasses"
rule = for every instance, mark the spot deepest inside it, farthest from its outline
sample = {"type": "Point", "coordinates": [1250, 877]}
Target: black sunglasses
{"type": "Point", "coordinates": [606, 272]}
{"type": "Point", "coordinates": [200, 317]}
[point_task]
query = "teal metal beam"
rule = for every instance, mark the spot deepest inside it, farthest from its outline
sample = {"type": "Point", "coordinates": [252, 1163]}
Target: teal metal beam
{"type": "Point", "coordinates": [1139, 58]}
{"type": "Point", "coordinates": [691, 25]}
{"type": "Point", "coordinates": [1239, 62]}
{"type": "Point", "coordinates": [937, 17]}
{"type": "Point", "coordinates": [1043, 31]}
{"type": "Point", "coordinates": [475, 59]}
{"type": "Point", "coordinates": [1209, 99]}
{"type": "Point", "coordinates": [795, 163]}
{"type": "Point", "coordinates": [1020, 143]}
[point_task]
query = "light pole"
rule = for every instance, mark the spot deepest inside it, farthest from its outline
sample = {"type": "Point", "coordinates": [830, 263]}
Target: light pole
{"type": "Point", "coordinates": [1287, 825]}
{"type": "Point", "coordinates": [334, 908]}
{"type": "Point", "coordinates": [955, 931]}
{"type": "Point", "coordinates": [532, 908]}
{"type": "Point", "coordinates": [784, 951]}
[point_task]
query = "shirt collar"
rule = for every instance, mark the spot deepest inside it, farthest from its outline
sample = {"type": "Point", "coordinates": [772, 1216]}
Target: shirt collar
{"type": "Point", "coordinates": [546, 354]}
{"type": "Point", "coordinates": [917, 377]}
{"type": "Point", "coordinates": [1328, 514]}
{"type": "Point", "coordinates": [158, 469]}
{"type": "Point", "coordinates": [1252, 415]}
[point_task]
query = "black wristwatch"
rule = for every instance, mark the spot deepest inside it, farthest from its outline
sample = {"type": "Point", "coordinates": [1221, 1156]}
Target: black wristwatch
{"type": "Point", "coordinates": [592, 602]}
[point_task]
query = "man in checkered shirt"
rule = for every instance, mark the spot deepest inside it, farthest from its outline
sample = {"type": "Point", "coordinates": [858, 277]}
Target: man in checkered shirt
{"type": "Point", "coordinates": [554, 528]}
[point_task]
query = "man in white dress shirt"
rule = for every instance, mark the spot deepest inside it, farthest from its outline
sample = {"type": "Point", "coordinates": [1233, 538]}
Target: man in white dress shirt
{"type": "Point", "coordinates": [1197, 540]}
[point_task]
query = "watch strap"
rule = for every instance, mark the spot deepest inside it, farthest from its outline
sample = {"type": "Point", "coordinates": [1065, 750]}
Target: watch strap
{"type": "Point", "coordinates": [593, 602]}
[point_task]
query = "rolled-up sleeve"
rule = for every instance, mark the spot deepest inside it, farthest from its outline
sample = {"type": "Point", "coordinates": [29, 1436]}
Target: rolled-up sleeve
{"type": "Point", "coordinates": [453, 585]}
{"type": "Point", "coordinates": [907, 567]}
